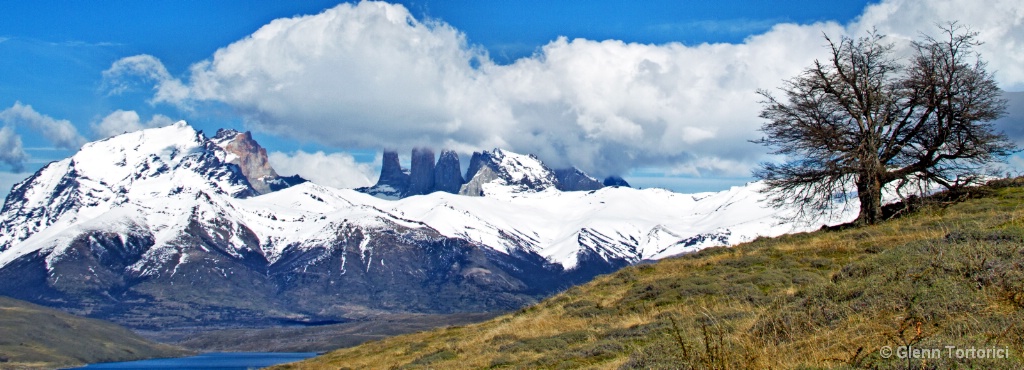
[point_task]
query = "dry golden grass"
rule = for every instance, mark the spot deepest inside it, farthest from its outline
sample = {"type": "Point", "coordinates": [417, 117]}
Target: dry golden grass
{"type": "Point", "coordinates": [945, 275]}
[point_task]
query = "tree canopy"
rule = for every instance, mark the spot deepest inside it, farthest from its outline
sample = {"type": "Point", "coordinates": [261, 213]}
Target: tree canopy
{"type": "Point", "coordinates": [872, 120]}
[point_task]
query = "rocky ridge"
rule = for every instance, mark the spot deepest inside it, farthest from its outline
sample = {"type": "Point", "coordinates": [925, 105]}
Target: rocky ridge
{"type": "Point", "coordinates": [507, 171]}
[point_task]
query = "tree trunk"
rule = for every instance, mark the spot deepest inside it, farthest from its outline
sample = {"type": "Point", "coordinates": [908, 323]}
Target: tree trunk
{"type": "Point", "coordinates": [869, 191]}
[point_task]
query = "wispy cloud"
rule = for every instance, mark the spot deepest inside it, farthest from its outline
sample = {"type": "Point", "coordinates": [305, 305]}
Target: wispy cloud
{"type": "Point", "coordinates": [80, 44]}
{"type": "Point", "coordinates": [731, 27]}
{"type": "Point", "coordinates": [143, 69]}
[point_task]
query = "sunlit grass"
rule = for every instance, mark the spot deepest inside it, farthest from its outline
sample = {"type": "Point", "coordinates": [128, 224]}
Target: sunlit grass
{"type": "Point", "coordinates": [950, 274]}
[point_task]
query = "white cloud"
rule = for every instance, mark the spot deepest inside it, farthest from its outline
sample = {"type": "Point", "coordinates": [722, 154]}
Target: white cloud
{"type": "Point", "coordinates": [121, 121]}
{"type": "Point", "coordinates": [999, 23]}
{"type": "Point", "coordinates": [126, 72]}
{"type": "Point", "coordinates": [370, 75]}
{"type": "Point", "coordinates": [339, 170]}
{"type": "Point", "coordinates": [11, 151]}
{"type": "Point", "coordinates": [61, 133]}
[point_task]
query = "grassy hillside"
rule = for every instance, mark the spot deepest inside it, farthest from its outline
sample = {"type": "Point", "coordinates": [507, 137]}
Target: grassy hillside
{"type": "Point", "coordinates": [946, 275]}
{"type": "Point", "coordinates": [33, 336]}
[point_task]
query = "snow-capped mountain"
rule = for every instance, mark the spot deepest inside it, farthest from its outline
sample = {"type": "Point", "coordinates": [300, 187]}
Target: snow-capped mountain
{"type": "Point", "coordinates": [138, 226]}
{"type": "Point", "coordinates": [501, 172]}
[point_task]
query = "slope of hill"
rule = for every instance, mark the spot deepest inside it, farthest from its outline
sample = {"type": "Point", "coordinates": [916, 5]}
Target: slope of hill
{"type": "Point", "coordinates": [947, 280]}
{"type": "Point", "coordinates": [33, 336]}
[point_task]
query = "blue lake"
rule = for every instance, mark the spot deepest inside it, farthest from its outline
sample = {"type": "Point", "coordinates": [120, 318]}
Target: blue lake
{"type": "Point", "coordinates": [217, 360]}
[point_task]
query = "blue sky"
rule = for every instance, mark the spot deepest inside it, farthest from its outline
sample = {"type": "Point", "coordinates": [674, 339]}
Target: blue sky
{"type": "Point", "coordinates": [658, 91]}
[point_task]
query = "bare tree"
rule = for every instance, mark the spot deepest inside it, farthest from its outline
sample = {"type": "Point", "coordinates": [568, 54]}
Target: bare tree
{"type": "Point", "coordinates": [866, 118]}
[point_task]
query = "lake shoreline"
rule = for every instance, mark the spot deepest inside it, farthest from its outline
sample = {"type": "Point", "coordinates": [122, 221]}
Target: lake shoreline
{"type": "Point", "coordinates": [211, 360]}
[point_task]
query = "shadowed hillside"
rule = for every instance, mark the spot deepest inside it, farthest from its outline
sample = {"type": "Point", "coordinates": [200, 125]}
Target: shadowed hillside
{"type": "Point", "coordinates": [948, 274]}
{"type": "Point", "coordinates": [33, 336]}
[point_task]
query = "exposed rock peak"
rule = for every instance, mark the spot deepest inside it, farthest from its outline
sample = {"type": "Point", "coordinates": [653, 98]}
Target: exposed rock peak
{"type": "Point", "coordinates": [245, 152]}
{"type": "Point", "coordinates": [421, 173]}
{"type": "Point", "coordinates": [393, 181]}
{"type": "Point", "coordinates": [242, 150]}
{"type": "Point", "coordinates": [519, 173]}
{"type": "Point", "coordinates": [225, 134]}
{"type": "Point", "coordinates": [448, 173]}
{"type": "Point", "coordinates": [615, 181]}
{"type": "Point", "coordinates": [510, 172]}
{"type": "Point", "coordinates": [424, 177]}
{"type": "Point", "coordinates": [574, 179]}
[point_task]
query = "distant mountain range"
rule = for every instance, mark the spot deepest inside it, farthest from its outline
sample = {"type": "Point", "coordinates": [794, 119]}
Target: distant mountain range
{"type": "Point", "coordinates": [524, 172]}
{"type": "Point", "coordinates": [168, 227]}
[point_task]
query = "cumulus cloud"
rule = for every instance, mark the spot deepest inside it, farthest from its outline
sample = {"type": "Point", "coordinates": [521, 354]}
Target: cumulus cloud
{"type": "Point", "coordinates": [122, 121]}
{"type": "Point", "coordinates": [11, 151]}
{"type": "Point", "coordinates": [61, 133]}
{"type": "Point", "coordinates": [339, 170]}
{"type": "Point", "coordinates": [371, 75]}
{"type": "Point", "coordinates": [999, 23]}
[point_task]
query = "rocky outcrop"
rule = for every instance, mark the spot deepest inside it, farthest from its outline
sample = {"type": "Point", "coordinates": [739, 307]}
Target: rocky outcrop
{"type": "Point", "coordinates": [475, 186]}
{"type": "Point", "coordinates": [475, 162]}
{"type": "Point", "coordinates": [574, 179]}
{"type": "Point", "coordinates": [424, 177]}
{"type": "Point", "coordinates": [514, 172]}
{"type": "Point", "coordinates": [448, 173]}
{"type": "Point", "coordinates": [615, 181]}
{"type": "Point", "coordinates": [517, 172]}
{"type": "Point", "coordinates": [391, 172]}
{"type": "Point", "coordinates": [252, 159]}
{"type": "Point", "coordinates": [421, 174]}
{"type": "Point", "coordinates": [393, 181]}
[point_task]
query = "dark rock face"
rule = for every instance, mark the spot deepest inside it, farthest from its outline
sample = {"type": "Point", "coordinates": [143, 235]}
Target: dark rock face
{"type": "Point", "coordinates": [421, 174]}
{"type": "Point", "coordinates": [393, 181]}
{"type": "Point", "coordinates": [523, 172]}
{"type": "Point", "coordinates": [479, 159]}
{"type": "Point", "coordinates": [285, 182]}
{"type": "Point", "coordinates": [615, 181]}
{"type": "Point", "coordinates": [448, 173]}
{"type": "Point", "coordinates": [391, 172]}
{"type": "Point", "coordinates": [573, 179]}
{"type": "Point", "coordinates": [424, 176]}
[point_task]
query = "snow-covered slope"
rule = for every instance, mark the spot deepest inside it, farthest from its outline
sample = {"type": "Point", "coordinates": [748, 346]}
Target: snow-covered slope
{"type": "Point", "coordinates": [163, 212]}
{"type": "Point", "coordinates": [148, 169]}
{"type": "Point", "coordinates": [160, 179]}
{"type": "Point", "coordinates": [616, 223]}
